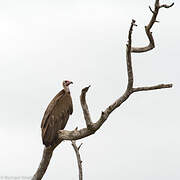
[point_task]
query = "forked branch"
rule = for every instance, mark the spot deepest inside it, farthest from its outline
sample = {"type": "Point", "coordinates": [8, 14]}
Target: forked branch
{"type": "Point", "coordinates": [153, 20]}
{"type": "Point", "coordinates": [82, 133]}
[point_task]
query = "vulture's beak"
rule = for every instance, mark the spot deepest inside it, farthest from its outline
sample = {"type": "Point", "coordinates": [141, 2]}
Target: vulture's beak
{"type": "Point", "coordinates": [70, 82]}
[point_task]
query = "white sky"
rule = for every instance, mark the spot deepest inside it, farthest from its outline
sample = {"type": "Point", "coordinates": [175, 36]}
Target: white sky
{"type": "Point", "coordinates": [44, 42]}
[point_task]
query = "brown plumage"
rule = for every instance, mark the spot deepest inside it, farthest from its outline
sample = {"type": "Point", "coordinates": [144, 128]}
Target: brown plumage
{"type": "Point", "coordinates": [56, 115]}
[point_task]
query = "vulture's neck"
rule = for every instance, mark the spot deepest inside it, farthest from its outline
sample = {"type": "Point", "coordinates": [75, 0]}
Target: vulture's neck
{"type": "Point", "coordinates": [66, 89]}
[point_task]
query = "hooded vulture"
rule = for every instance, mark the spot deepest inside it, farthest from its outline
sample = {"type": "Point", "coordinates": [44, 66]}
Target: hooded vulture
{"type": "Point", "coordinates": [56, 115]}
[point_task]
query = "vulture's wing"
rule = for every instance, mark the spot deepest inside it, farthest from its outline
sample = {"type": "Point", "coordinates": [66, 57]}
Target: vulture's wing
{"type": "Point", "coordinates": [56, 116]}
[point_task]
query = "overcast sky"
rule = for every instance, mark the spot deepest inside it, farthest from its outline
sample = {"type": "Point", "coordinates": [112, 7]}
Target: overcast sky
{"type": "Point", "coordinates": [44, 42]}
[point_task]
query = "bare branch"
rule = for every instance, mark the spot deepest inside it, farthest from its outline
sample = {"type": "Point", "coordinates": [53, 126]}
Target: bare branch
{"type": "Point", "coordinates": [47, 154]}
{"type": "Point", "coordinates": [151, 44]}
{"type": "Point", "coordinates": [128, 58]}
{"type": "Point", "coordinates": [151, 9]}
{"type": "Point", "coordinates": [80, 146]}
{"type": "Point", "coordinates": [74, 135]}
{"type": "Point", "coordinates": [85, 109]}
{"type": "Point", "coordinates": [128, 91]}
{"type": "Point", "coordinates": [79, 161]}
{"type": "Point", "coordinates": [67, 135]}
{"type": "Point", "coordinates": [160, 86]}
{"type": "Point", "coordinates": [82, 133]}
{"type": "Point", "coordinates": [166, 6]}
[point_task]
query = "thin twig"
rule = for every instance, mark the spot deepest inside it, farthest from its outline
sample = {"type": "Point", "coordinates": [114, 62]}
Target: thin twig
{"type": "Point", "coordinates": [79, 161]}
{"type": "Point", "coordinates": [166, 6]}
{"type": "Point", "coordinates": [151, 9]}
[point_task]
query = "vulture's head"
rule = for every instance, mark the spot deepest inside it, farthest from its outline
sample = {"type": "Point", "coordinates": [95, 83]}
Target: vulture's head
{"type": "Point", "coordinates": [66, 84]}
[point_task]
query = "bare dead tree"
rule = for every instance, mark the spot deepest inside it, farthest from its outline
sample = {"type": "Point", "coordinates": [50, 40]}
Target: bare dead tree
{"type": "Point", "coordinates": [92, 127]}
